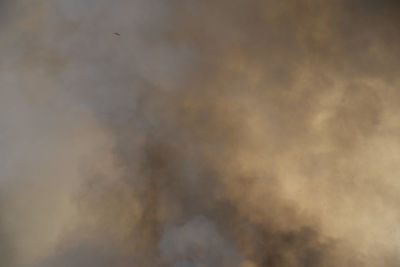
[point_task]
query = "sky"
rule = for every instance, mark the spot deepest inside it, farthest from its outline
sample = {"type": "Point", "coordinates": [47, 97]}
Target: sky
{"type": "Point", "coordinates": [199, 133]}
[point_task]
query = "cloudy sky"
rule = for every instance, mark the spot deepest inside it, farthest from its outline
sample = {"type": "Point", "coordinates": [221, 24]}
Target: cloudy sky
{"type": "Point", "coordinates": [199, 133]}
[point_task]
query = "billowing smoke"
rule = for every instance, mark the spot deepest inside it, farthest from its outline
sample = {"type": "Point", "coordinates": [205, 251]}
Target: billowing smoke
{"type": "Point", "coordinates": [199, 133]}
{"type": "Point", "coordinates": [197, 241]}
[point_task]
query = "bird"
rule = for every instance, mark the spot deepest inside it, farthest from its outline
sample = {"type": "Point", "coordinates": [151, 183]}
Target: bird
{"type": "Point", "coordinates": [117, 34]}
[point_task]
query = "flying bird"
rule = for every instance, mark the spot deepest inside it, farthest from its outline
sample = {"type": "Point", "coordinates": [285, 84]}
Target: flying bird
{"type": "Point", "coordinates": [117, 33]}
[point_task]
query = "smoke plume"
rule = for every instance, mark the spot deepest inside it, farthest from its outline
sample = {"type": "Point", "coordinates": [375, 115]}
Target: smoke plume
{"type": "Point", "coordinates": [199, 133]}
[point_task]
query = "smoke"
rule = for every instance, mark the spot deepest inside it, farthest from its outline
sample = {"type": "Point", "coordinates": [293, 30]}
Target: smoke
{"type": "Point", "coordinates": [205, 133]}
{"type": "Point", "coordinates": [197, 241]}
